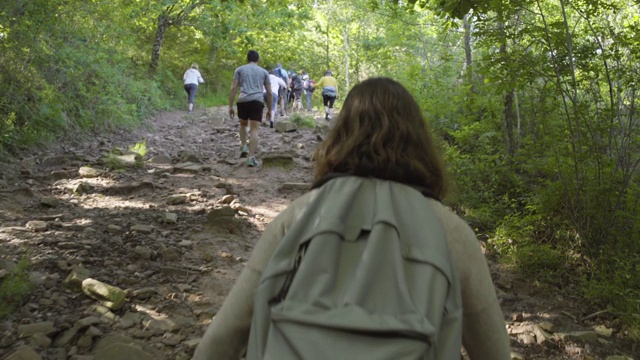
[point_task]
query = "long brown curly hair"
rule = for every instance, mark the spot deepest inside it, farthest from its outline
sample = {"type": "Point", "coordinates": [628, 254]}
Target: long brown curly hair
{"type": "Point", "coordinates": [381, 133]}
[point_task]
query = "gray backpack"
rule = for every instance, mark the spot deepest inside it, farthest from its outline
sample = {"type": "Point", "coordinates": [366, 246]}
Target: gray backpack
{"type": "Point", "coordinates": [363, 273]}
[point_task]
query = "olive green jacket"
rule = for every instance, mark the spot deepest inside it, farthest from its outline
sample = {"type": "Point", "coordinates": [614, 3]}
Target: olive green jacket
{"type": "Point", "coordinates": [483, 327]}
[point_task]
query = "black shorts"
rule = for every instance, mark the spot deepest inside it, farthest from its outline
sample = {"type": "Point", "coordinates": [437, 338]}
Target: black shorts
{"type": "Point", "coordinates": [250, 110]}
{"type": "Point", "coordinates": [328, 100]}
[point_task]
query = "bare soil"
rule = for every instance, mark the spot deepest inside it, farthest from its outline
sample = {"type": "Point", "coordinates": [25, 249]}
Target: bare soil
{"type": "Point", "coordinates": [177, 269]}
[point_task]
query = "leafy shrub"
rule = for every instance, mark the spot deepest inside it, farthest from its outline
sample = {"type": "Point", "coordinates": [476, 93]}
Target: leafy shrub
{"type": "Point", "coordinates": [302, 121]}
{"type": "Point", "coordinates": [15, 288]}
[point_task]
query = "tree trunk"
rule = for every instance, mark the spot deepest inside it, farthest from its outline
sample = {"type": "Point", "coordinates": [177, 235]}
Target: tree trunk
{"type": "Point", "coordinates": [508, 113]}
{"type": "Point", "coordinates": [327, 45]}
{"type": "Point", "coordinates": [508, 116]}
{"type": "Point", "coordinates": [467, 42]}
{"type": "Point", "coordinates": [346, 55]}
{"type": "Point", "coordinates": [163, 25]}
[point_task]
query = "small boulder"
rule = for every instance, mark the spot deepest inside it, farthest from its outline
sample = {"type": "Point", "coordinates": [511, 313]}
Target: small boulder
{"type": "Point", "coordinates": [169, 218]}
{"type": "Point", "coordinates": [28, 330]}
{"type": "Point", "coordinates": [285, 126]}
{"type": "Point", "coordinates": [89, 172]}
{"type": "Point", "coordinates": [37, 225]}
{"type": "Point", "coordinates": [177, 199]}
{"type": "Point", "coordinates": [50, 201]}
{"type": "Point", "coordinates": [160, 160]}
{"type": "Point", "coordinates": [143, 229]}
{"type": "Point", "coordinates": [75, 278]}
{"type": "Point", "coordinates": [110, 296]}
{"type": "Point", "coordinates": [24, 353]}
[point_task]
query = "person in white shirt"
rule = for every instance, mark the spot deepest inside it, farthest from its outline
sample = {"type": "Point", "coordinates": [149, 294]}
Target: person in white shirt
{"type": "Point", "coordinates": [276, 85]}
{"type": "Point", "coordinates": [192, 78]}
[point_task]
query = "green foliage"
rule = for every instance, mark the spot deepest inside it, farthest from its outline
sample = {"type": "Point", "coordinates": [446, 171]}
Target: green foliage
{"type": "Point", "coordinates": [14, 288]}
{"type": "Point", "coordinates": [302, 121]}
{"type": "Point", "coordinates": [140, 148]}
{"type": "Point", "coordinates": [558, 202]}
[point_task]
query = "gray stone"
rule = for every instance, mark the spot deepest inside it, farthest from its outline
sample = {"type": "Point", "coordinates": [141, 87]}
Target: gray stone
{"type": "Point", "coordinates": [122, 351]}
{"type": "Point", "coordinates": [541, 335]}
{"type": "Point", "coordinates": [285, 126]}
{"type": "Point", "coordinates": [144, 293]}
{"type": "Point", "coordinates": [186, 156]}
{"type": "Point", "coordinates": [76, 277]}
{"type": "Point", "coordinates": [161, 170]}
{"type": "Point", "coordinates": [172, 339]}
{"type": "Point", "coordinates": [24, 353]}
{"type": "Point", "coordinates": [85, 342]}
{"type": "Point", "coordinates": [65, 338]}
{"type": "Point", "coordinates": [114, 229]}
{"type": "Point", "coordinates": [129, 320]}
{"type": "Point", "coordinates": [3, 273]}
{"type": "Point", "coordinates": [82, 357]}
{"type": "Point", "coordinates": [225, 211]}
{"type": "Point", "coordinates": [547, 326]}
{"type": "Point", "coordinates": [161, 159]}
{"type": "Point", "coordinates": [28, 330]}
{"type": "Point", "coordinates": [94, 331]}
{"type": "Point", "coordinates": [192, 343]}
{"type": "Point", "coordinates": [239, 207]}
{"type": "Point", "coordinates": [110, 296]}
{"type": "Point", "coordinates": [227, 199]}
{"type": "Point", "coordinates": [103, 312]}
{"type": "Point", "coordinates": [590, 337]}
{"type": "Point", "coordinates": [89, 172]}
{"type": "Point", "coordinates": [174, 271]}
{"type": "Point", "coordinates": [8, 265]}
{"type": "Point", "coordinates": [527, 338]}
{"type": "Point", "coordinates": [50, 201]}
{"type": "Point", "coordinates": [40, 341]}
{"type": "Point", "coordinates": [278, 159]}
{"type": "Point", "coordinates": [37, 225]}
{"type": "Point", "coordinates": [142, 334]}
{"type": "Point", "coordinates": [83, 188]}
{"type": "Point", "coordinates": [295, 186]}
{"type": "Point", "coordinates": [223, 219]}
{"type": "Point", "coordinates": [162, 325]}
{"type": "Point", "coordinates": [145, 253]}
{"type": "Point", "coordinates": [86, 322]}
{"type": "Point", "coordinates": [187, 167]}
{"type": "Point", "coordinates": [169, 218]}
{"type": "Point", "coordinates": [603, 330]}
{"type": "Point", "coordinates": [144, 229]}
{"type": "Point", "coordinates": [171, 254]}
{"type": "Point", "coordinates": [177, 199]}
{"type": "Point", "coordinates": [129, 349]}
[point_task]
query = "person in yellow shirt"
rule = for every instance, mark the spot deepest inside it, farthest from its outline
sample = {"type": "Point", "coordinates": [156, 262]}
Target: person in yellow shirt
{"type": "Point", "coordinates": [329, 86]}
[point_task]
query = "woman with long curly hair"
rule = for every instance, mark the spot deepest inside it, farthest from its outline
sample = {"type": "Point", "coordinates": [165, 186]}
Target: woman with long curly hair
{"type": "Point", "coordinates": [380, 147]}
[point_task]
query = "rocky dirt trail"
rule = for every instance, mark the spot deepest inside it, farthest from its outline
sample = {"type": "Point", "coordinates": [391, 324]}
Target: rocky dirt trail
{"type": "Point", "coordinates": [131, 256]}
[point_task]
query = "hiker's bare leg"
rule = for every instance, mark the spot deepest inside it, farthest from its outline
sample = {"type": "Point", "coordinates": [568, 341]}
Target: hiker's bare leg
{"type": "Point", "coordinates": [253, 137]}
{"type": "Point", "coordinates": [243, 131]}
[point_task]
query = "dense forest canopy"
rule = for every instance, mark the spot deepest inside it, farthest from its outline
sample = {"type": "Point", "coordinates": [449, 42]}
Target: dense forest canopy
{"type": "Point", "coordinates": [534, 101]}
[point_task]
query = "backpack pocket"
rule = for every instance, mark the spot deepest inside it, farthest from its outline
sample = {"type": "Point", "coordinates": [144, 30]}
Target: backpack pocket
{"type": "Point", "coordinates": [301, 331]}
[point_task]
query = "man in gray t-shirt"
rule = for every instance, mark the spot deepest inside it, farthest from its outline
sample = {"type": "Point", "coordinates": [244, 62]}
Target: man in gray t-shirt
{"type": "Point", "coordinates": [251, 79]}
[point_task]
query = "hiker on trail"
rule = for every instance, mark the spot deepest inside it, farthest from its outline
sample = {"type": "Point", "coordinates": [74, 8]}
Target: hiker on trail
{"type": "Point", "coordinates": [329, 86]}
{"type": "Point", "coordinates": [250, 79]}
{"type": "Point", "coordinates": [276, 85]}
{"type": "Point", "coordinates": [297, 86]}
{"type": "Point", "coordinates": [283, 94]}
{"type": "Point", "coordinates": [308, 89]}
{"type": "Point", "coordinates": [191, 79]}
{"type": "Point", "coordinates": [424, 289]}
